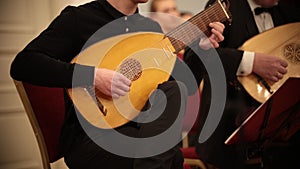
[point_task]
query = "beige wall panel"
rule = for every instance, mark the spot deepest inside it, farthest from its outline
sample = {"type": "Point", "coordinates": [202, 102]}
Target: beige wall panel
{"type": "Point", "coordinates": [20, 22]}
{"type": "Point", "coordinates": [17, 148]}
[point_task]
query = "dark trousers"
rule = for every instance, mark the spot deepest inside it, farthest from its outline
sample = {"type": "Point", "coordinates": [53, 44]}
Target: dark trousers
{"type": "Point", "coordinates": [84, 153]}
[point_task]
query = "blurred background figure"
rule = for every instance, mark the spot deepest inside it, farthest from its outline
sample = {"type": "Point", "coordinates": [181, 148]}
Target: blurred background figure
{"type": "Point", "coordinates": [165, 12]}
{"type": "Point", "coordinates": [186, 15]}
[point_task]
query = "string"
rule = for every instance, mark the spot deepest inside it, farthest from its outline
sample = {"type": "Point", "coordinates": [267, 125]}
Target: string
{"type": "Point", "coordinates": [195, 21]}
{"type": "Point", "coordinates": [178, 36]}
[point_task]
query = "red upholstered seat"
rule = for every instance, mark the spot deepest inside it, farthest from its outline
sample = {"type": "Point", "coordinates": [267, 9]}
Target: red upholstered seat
{"type": "Point", "coordinates": [186, 166]}
{"type": "Point", "coordinates": [189, 152]}
{"type": "Point", "coordinates": [45, 109]}
{"type": "Point", "coordinates": [47, 104]}
{"type": "Point", "coordinates": [191, 118]}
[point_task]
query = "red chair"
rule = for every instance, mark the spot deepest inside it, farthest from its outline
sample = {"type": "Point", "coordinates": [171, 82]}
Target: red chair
{"type": "Point", "coordinates": [189, 153]}
{"type": "Point", "coordinates": [186, 166]}
{"type": "Point", "coordinates": [45, 109]}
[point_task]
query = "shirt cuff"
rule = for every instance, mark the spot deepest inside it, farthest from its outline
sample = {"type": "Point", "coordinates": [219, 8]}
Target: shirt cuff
{"type": "Point", "coordinates": [246, 65]}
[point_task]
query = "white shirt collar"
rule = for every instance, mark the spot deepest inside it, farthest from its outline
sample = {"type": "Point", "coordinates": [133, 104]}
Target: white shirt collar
{"type": "Point", "coordinates": [253, 5]}
{"type": "Point", "coordinates": [263, 21]}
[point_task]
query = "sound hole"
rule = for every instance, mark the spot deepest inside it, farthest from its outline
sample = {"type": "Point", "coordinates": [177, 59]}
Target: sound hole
{"type": "Point", "coordinates": [292, 52]}
{"type": "Point", "coordinates": [131, 68]}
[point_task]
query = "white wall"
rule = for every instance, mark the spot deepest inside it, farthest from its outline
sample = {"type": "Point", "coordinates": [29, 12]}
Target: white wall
{"type": "Point", "coordinates": [20, 22]}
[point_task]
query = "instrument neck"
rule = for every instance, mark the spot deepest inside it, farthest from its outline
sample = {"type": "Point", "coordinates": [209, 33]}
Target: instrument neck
{"type": "Point", "coordinates": [197, 26]}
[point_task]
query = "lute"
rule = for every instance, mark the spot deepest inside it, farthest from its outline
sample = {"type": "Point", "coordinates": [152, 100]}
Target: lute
{"type": "Point", "coordinates": [147, 62]}
{"type": "Point", "coordinates": [283, 42]}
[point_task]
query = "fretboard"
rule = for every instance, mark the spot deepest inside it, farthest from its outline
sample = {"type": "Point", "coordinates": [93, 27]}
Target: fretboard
{"type": "Point", "coordinates": [197, 26]}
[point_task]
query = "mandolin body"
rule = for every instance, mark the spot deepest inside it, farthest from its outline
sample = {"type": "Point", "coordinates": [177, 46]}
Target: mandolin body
{"type": "Point", "coordinates": [156, 59]}
{"type": "Point", "coordinates": [146, 58]}
{"type": "Point", "coordinates": [283, 42]}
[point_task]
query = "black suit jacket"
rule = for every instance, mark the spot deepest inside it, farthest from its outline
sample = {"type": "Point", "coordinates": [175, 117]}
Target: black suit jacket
{"type": "Point", "coordinates": [243, 25]}
{"type": "Point", "coordinates": [238, 101]}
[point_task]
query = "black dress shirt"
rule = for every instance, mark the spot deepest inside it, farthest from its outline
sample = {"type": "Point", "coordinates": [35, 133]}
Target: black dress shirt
{"type": "Point", "coordinates": [46, 60]}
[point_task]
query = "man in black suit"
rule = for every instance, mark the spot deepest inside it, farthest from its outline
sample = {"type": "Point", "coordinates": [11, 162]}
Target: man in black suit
{"type": "Point", "coordinates": [246, 23]}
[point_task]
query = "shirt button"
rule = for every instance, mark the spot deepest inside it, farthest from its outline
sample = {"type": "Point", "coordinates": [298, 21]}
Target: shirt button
{"type": "Point", "coordinates": [127, 29]}
{"type": "Point", "coordinates": [125, 18]}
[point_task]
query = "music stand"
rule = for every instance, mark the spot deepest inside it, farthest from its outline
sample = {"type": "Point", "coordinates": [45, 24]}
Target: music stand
{"type": "Point", "coordinates": [276, 120]}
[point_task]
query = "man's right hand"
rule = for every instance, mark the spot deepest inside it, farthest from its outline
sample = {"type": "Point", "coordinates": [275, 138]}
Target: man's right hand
{"type": "Point", "coordinates": [270, 68]}
{"type": "Point", "coordinates": [111, 83]}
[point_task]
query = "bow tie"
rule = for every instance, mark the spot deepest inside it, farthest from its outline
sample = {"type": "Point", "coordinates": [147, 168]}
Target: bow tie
{"type": "Point", "coordinates": [260, 10]}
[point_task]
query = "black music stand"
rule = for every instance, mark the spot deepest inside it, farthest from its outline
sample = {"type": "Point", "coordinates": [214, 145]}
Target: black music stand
{"type": "Point", "coordinates": [272, 123]}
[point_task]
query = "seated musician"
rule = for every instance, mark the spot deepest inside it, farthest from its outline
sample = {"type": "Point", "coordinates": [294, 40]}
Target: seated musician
{"type": "Point", "coordinates": [250, 17]}
{"type": "Point", "coordinates": [46, 61]}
